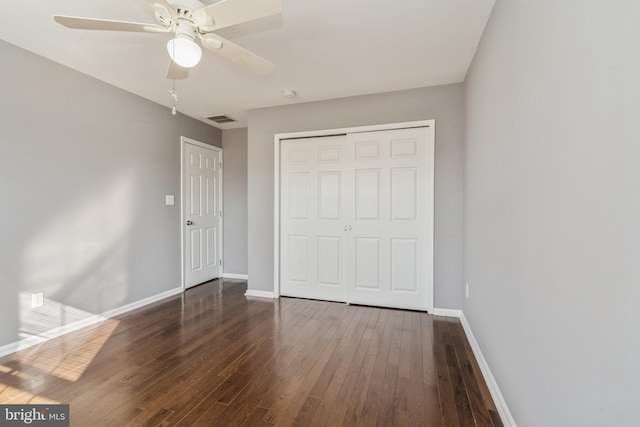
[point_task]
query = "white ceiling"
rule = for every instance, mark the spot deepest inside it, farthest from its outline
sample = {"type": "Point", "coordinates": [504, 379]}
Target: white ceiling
{"type": "Point", "coordinates": [322, 49]}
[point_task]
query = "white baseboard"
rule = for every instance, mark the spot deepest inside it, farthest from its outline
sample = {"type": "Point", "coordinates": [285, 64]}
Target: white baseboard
{"type": "Point", "coordinates": [91, 320]}
{"type": "Point", "coordinates": [140, 303]}
{"type": "Point", "coordinates": [235, 276]}
{"type": "Point", "coordinates": [496, 394]}
{"type": "Point", "coordinates": [447, 312]}
{"type": "Point", "coordinates": [260, 294]}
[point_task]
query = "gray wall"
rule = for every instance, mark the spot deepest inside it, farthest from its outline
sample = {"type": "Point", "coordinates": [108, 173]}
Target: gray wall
{"type": "Point", "coordinates": [552, 209]}
{"type": "Point", "coordinates": [234, 144]}
{"type": "Point", "coordinates": [84, 168]}
{"type": "Point", "coordinates": [445, 104]}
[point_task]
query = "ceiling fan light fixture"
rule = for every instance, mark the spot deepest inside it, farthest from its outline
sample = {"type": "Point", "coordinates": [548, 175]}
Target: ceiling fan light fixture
{"type": "Point", "coordinates": [184, 52]}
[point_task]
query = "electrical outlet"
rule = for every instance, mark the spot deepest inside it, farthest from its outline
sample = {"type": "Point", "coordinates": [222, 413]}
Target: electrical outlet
{"type": "Point", "coordinates": [37, 300]}
{"type": "Point", "coordinates": [467, 290]}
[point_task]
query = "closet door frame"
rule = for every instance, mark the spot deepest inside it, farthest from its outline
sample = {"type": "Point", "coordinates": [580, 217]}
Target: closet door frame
{"type": "Point", "coordinates": [429, 124]}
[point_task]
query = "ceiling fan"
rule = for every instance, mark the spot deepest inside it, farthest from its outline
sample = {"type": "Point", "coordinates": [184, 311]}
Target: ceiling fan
{"type": "Point", "coordinates": [188, 21]}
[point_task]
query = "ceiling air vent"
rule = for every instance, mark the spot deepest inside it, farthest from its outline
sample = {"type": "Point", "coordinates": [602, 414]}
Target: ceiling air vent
{"type": "Point", "coordinates": [221, 119]}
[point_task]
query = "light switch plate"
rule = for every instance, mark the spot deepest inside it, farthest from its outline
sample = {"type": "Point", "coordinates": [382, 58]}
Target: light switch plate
{"type": "Point", "coordinates": [169, 200]}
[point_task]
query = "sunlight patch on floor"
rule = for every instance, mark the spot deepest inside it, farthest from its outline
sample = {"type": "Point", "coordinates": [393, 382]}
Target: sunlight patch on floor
{"type": "Point", "coordinates": [15, 396]}
{"type": "Point", "coordinates": [54, 361]}
{"type": "Point", "coordinates": [69, 363]}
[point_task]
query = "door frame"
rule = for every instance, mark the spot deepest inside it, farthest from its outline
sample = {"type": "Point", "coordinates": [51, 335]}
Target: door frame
{"type": "Point", "coordinates": [184, 140]}
{"type": "Point", "coordinates": [278, 138]}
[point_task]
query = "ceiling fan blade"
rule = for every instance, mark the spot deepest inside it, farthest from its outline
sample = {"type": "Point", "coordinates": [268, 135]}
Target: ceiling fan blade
{"type": "Point", "coordinates": [231, 12]}
{"type": "Point", "coordinates": [237, 54]}
{"type": "Point", "coordinates": [107, 25]}
{"type": "Point", "coordinates": [177, 72]}
{"type": "Point", "coordinates": [161, 6]}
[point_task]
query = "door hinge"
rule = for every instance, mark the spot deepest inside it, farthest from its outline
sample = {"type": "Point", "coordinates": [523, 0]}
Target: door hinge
{"type": "Point", "coordinates": [220, 214]}
{"type": "Point", "coordinates": [220, 165]}
{"type": "Point", "coordinates": [220, 261]}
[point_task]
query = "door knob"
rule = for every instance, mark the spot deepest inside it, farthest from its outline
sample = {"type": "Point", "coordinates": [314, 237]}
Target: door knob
{"type": "Point", "coordinates": [189, 223]}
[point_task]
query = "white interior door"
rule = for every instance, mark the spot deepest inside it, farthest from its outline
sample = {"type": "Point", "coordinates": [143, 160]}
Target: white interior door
{"type": "Point", "coordinates": [312, 264]}
{"type": "Point", "coordinates": [357, 218]}
{"type": "Point", "coordinates": [201, 212]}
{"type": "Point", "coordinates": [389, 242]}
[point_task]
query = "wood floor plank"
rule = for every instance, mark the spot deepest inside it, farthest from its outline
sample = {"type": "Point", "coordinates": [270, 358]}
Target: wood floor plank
{"type": "Point", "coordinates": [355, 411]}
{"type": "Point", "coordinates": [446, 392]}
{"type": "Point", "coordinates": [287, 412]}
{"type": "Point", "coordinates": [295, 365]}
{"type": "Point", "coordinates": [353, 384]}
{"type": "Point", "coordinates": [471, 387]}
{"type": "Point", "coordinates": [432, 408]}
{"type": "Point", "coordinates": [375, 398]}
{"type": "Point", "coordinates": [247, 405]}
{"type": "Point", "coordinates": [356, 383]}
{"type": "Point", "coordinates": [253, 418]}
{"type": "Point", "coordinates": [477, 373]}
{"type": "Point", "coordinates": [355, 415]}
{"type": "Point", "coordinates": [296, 404]}
{"type": "Point", "coordinates": [306, 413]}
{"type": "Point", "coordinates": [322, 382]}
{"type": "Point", "coordinates": [463, 406]}
{"type": "Point", "coordinates": [332, 402]}
{"type": "Point", "coordinates": [216, 357]}
{"type": "Point", "coordinates": [417, 407]}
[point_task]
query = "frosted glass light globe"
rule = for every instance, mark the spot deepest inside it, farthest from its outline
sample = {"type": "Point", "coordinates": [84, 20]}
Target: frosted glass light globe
{"type": "Point", "coordinates": [184, 52]}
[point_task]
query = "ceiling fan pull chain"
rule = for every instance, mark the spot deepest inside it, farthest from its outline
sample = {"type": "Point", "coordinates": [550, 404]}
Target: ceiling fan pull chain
{"type": "Point", "coordinates": [174, 94]}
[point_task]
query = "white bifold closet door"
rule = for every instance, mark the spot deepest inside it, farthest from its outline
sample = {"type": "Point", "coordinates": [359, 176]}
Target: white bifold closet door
{"type": "Point", "coordinates": [357, 218]}
{"type": "Point", "coordinates": [313, 218]}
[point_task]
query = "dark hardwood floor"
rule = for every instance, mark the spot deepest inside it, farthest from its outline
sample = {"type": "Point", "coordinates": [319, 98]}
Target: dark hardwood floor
{"type": "Point", "coordinates": [217, 358]}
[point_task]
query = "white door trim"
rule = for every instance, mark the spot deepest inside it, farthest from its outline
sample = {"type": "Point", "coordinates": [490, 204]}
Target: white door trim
{"type": "Point", "coordinates": [343, 131]}
{"type": "Point", "coordinates": [184, 140]}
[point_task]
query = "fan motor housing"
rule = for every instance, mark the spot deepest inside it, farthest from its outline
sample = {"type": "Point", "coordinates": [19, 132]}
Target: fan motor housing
{"type": "Point", "coordinates": [184, 9]}
{"type": "Point", "coordinates": [186, 28]}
